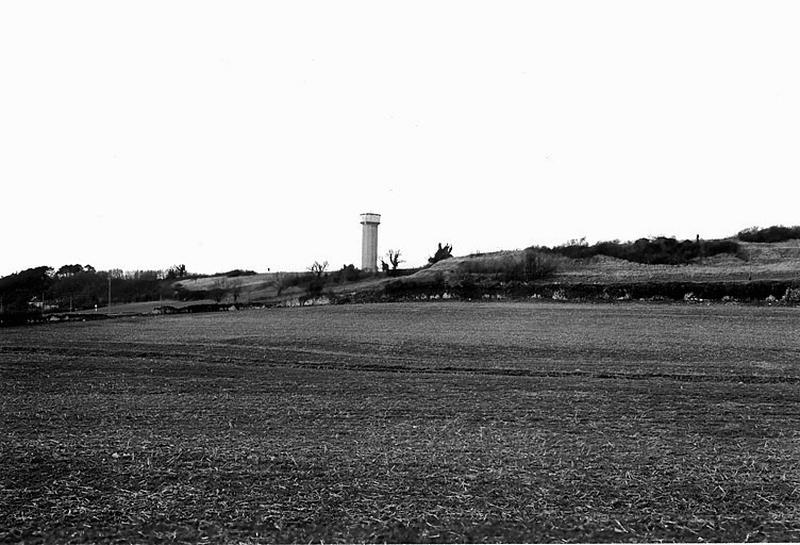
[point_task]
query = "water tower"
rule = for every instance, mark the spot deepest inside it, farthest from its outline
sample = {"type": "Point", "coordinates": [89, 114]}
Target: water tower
{"type": "Point", "coordinates": [369, 241]}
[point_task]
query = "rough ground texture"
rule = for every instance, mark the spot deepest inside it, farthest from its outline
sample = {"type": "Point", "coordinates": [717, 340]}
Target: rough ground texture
{"type": "Point", "coordinates": [759, 261]}
{"type": "Point", "coordinates": [439, 422]}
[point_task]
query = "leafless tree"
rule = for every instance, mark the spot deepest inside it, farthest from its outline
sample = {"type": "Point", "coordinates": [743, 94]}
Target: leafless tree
{"type": "Point", "coordinates": [394, 258]}
{"type": "Point", "coordinates": [318, 268]}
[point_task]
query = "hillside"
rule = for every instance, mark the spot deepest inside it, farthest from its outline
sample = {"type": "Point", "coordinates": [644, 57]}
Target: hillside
{"type": "Point", "coordinates": [245, 289]}
{"type": "Point", "coordinates": [754, 263]}
{"type": "Point", "coordinates": [761, 262]}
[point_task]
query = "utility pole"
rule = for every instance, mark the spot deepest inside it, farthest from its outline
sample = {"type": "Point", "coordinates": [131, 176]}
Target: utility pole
{"type": "Point", "coordinates": [109, 292]}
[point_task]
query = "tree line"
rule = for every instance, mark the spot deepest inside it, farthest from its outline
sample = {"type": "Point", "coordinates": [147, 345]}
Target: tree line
{"type": "Point", "coordinates": [78, 287]}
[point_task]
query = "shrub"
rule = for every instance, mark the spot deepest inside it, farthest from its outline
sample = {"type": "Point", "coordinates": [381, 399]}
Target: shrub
{"type": "Point", "coordinates": [442, 252]}
{"type": "Point", "coordinates": [465, 287]}
{"type": "Point", "coordinates": [217, 294]}
{"type": "Point", "coordinates": [791, 296]}
{"type": "Point", "coordinates": [656, 251]}
{"type": "Point", "coordinates": [238, 272]}
{"type": "Point", "coordinates": [349, 273]}
{"type": "Point", "coordinates": [776, 233]}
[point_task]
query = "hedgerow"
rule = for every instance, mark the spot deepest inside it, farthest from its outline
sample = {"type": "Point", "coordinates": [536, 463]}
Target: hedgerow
{"type": "Point", "coordinates": [776, 233]}
{"type": "Point", "coordinates": [655, 251]}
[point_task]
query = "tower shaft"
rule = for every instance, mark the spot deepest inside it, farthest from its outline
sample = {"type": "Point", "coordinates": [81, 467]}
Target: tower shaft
{"type": "Point", "coordinates": [369, 241]}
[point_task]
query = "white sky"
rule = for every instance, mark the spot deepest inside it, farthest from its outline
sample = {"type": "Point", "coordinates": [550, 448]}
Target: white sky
{"type": "Point", "coordinates": [223, 135]}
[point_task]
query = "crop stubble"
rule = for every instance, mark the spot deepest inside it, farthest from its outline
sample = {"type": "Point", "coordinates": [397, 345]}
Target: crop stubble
{"type": "Point", "coordinates": [405, 422]}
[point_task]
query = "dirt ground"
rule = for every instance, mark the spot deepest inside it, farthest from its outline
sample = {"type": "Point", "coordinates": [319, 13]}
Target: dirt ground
{"type": "Point", "coordinates": [432, 422]}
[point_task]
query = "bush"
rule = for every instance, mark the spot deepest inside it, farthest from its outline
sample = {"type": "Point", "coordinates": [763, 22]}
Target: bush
{"type": "Point", "coordinates": [442, 252]}
{"type": "Point", "coordinates": [349, 273]}
{"type": "Point", "coordinates": [9, 319]}
{"type": "Point", "coordinates": [182, 294]}
{"type": "Point", "coordinates": [314, 288]}
{"type": "Point", "coordinates": [238, 272]}
{"type": "Point", "coordinates": [656, 251]}
{"type": "Point", "coordinates": [412, 289]}
{"type": "Point", "coordinates": [776, 233]}
{"type": "Point", "coordinates": [792, 296]}
{"type": "Point", "coordinates": [465, 287]}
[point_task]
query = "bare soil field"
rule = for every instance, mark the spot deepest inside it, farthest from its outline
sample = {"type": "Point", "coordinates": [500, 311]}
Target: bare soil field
{"type": "Point", "coordinates": [433, 422]}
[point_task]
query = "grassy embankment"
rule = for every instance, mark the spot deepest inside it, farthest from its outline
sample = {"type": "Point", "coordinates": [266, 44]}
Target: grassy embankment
{"type": "Point", "coordinates": [756, 271]}
{"type": "Point", "coordinates": [750, 271]}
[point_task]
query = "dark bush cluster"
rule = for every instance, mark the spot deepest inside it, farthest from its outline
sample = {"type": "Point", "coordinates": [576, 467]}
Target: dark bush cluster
{"type": "Point", "coordinates": [465, 286]}
{"type": "Point", "coordinates": [442, 252]}
{"type": "Point", "coordinates": [16, 318]}
{"type": "Point", "coordinates": [300, 280]}
{"type": "Point", "coordinates": [776, 233]}
{"type": "Point", "coordinates": [348, 273]}
{"type": "Point", "coordinates": [411, 289]}
{"type": "Point", "coordinates": [655, 251]}
{"type": "Point", "coordinates": [756, 291]}
{"type": "Point", "coordinates": [183, 294]}
{"type": "Point", "coordinates": [237, 272]}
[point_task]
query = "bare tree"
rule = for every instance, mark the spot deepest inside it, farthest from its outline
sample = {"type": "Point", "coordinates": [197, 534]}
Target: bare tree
{"type": "Point", "coordinates": [394, 258]}
{"type": "Point", "coordinates": [177, 271]}
{"type": "Point", "coordinates": [318, 268]}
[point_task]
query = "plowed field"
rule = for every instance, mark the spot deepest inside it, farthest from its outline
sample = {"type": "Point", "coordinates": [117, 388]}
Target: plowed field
{"type": "Point", "coordinates": [434, 422]}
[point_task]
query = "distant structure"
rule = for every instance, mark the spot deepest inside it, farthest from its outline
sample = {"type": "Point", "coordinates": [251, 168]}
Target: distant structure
{"type": "Point", "coordinates": [369, 241]}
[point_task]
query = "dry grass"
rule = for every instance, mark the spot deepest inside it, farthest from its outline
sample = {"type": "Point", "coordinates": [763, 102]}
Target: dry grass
{"type": "Point", "coordinates": [405, 423]}
{"type": "Point", "coordinates": [251, 288]}
{"type": "Point", "coordinates": [764, 262]}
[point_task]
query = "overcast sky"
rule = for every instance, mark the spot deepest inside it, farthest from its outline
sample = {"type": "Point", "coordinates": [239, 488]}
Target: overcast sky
{"type": "Point", "coordinates": [138, 135]}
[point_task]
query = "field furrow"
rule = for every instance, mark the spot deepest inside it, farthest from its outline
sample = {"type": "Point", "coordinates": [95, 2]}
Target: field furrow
{"type": "Point", "coordinates": [435, 422]}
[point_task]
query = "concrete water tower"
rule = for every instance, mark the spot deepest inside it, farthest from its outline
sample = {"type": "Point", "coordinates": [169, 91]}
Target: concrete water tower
{"type": "Point", "coordinates": [369, 241]}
